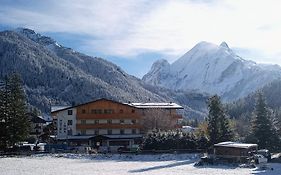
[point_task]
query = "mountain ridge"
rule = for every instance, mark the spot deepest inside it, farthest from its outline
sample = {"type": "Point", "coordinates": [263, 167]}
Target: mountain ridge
{"type": "Point", "coordinates": [54, 74]}
{"type": "Point", "coordinates": [213, 69]}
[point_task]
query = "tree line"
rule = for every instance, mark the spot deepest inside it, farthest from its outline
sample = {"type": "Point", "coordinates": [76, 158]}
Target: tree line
{"type": "Point", "coordinates": [219, 126]}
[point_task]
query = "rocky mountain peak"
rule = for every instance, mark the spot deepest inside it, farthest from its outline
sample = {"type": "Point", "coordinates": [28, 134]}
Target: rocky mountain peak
{"type": "Point", "coordinates": [224, 44]}
{"type": "Point", "coordinates": [213, 69]}
{"type": "Point", "coordinates": [160, 63]}
{"type": "Point", "coordinates": [36, 37]}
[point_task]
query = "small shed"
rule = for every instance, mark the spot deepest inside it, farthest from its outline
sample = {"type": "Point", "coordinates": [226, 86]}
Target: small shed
{"type": "Point", "coordinates": [234, 151]}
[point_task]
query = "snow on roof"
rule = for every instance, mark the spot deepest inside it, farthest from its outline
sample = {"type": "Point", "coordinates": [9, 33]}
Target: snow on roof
{"type": "Point", "coordinates": [155, 105]}
{"type": "Point", "coordinates": [188, 128]}
{"type": "Point", "coordinates": [38, 119]}
{"type": "Point", "coordinates": [235, 145]}
{"type": "Point", "coordinates": [58, 108]}
{"type": "Point", "coordinates": [169, 105]}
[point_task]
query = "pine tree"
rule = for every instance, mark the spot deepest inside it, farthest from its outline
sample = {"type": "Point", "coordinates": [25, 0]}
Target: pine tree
{"type": "Point", "coordinates": [277, 118]}
{"type": "Point", "coordinates": [14, 122]}
{"type": "Point", "coordinates": [19, 120]}
{"type": "Point", "coordinates": [226, 133]}
{"type": "Point", "coordinates": [2, 120]}
{"type": "Point", "coordinates": [5, 103]}
{"type": "Point", "coordinates": [263, 132]}
{"type": "Point", "coordinates": [218, 123]}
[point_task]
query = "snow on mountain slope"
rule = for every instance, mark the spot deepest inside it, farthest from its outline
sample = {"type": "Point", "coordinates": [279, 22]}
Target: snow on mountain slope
{"type": "Point", "coordinates": [212, 69]}
{"type": "Point", "coordinates": [53, 73]}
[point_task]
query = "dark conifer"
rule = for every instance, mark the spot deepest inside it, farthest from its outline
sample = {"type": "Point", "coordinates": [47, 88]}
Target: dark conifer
{"type": "Point", "coordinates": [13, 113]}
{"type": "Point", "coordinates": [263, 132]}
{"type": "Point", "coordinates": [218, 123]}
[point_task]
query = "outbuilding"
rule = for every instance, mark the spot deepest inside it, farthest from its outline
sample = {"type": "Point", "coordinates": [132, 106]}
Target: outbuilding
{"type": "Point", "coordinates": [234, 151]}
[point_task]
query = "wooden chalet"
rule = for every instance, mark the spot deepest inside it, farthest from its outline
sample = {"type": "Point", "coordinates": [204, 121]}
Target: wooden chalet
{"type": "Point", "coordinates": [233, 151]}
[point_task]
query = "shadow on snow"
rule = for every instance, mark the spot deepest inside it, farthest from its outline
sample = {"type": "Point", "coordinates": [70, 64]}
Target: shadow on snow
{"type": "Point", "coordinates": [162, 166]}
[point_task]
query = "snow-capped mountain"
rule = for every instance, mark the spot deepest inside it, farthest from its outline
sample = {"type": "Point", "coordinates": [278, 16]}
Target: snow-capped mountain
{"type": "Point", "coordinates": [55, 74]}
{"type": "Point", "coordinates": [212, 69]}
{"type": "Point", "coordinates": [59, 75]}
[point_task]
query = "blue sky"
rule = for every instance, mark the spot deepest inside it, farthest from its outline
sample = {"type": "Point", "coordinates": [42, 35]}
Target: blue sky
{"type": "Point", "coordinates": [135, 33]}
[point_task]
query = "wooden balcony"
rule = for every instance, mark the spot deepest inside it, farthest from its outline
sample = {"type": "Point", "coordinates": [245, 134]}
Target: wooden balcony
{"type": "Point", "coordinates": [108, 116]}
{"type": "Point", "coordinates": [108, 126]}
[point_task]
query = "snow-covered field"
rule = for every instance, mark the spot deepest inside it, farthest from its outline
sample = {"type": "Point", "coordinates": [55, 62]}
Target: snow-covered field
{"type": "Point", "coordinates": [68, 164]}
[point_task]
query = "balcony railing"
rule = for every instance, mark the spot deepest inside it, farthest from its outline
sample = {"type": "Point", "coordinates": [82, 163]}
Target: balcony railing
{"type": "Point", "coordinates": [108, 126]}
{"type": "Point", "coordinates": [108, 116]}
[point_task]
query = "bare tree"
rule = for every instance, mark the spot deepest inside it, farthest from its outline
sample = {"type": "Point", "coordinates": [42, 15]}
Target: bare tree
{"type": "Point", "coordinates": [157, 118]}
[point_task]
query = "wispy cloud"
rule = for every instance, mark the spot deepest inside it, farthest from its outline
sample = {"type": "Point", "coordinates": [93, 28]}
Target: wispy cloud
{"type": "Point", "coordinates": [129, 28]}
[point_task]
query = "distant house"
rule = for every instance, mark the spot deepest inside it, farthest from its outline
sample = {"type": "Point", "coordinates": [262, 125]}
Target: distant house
{"type": "Point", "coordinates": [37, 125]}
{"type": "Point", "coordinates": [233, 151]}
{"type": "Point", "coordinates": [188, 129]}
{"type": "Point", "coordinates": [109, 123]}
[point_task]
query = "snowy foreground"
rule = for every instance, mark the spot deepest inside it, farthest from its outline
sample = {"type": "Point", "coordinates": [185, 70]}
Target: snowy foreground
{"type": "Point", "coordinates": [68, 164]}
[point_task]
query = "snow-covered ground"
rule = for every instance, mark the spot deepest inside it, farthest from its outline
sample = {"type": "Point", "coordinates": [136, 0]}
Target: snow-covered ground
{"type": "Point", "coordinates": [69, 164]}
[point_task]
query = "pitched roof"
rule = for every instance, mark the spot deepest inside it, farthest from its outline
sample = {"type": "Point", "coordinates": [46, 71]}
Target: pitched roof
{"type": "Point", "coordinates": [235, 145]}
{"type": "Point", "coordinates": [134, 105]}
{"type": "Point", "coordinates": [70, 107]}
{"type": "Point", "coordinates": [38, 119]}
{"type": "Point", "coordinates": [156, 105]}
{"type": "Point", "coordinates": [58, 108]}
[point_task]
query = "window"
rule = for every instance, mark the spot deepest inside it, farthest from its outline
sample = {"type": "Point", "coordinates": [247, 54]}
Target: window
{"type": "Point", "coordinates": [133, 111]}
{"type": "Point", "coordinates": [83, 111]}
{"type": "Point", "coordinates": [93, 111]}
{"type": "Point", "coordinates": [122, 131]}
{"type": "Point", "coordinates": [109, 131]}
{"type": "Point", "coordinates": [69, 122]}
{"type": "Point", "coordinates": [133, 121]}
{"type": "Point", "coordinates": [98, 111]}
{"type": "Point", "coordinates": [108, 111]}
{"type": "Point", "coordinates": [69, 132]}
{"type": "Point", "coordinates": [134, 131]}
{"type": "Point", "coordinates": [109, 121]}
{"type": "Point", "coordinates": [69, 112]}
{"type": "Point", "coordinates": [96, 121]}
{"type": "Point", "coordinates": [121, 111]}
{"type": "Point", "coordinates": [83, 132]}
{"type": "Point", "coordinates": [83, 121]}
{"type": "Point", "coordinates": [121, 121]}
{"type": "Point", "coordinates": [96, 132]}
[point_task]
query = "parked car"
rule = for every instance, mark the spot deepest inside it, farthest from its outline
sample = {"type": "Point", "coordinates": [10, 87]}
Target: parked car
{"type": "Point", "coordinates": [265, 153]}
